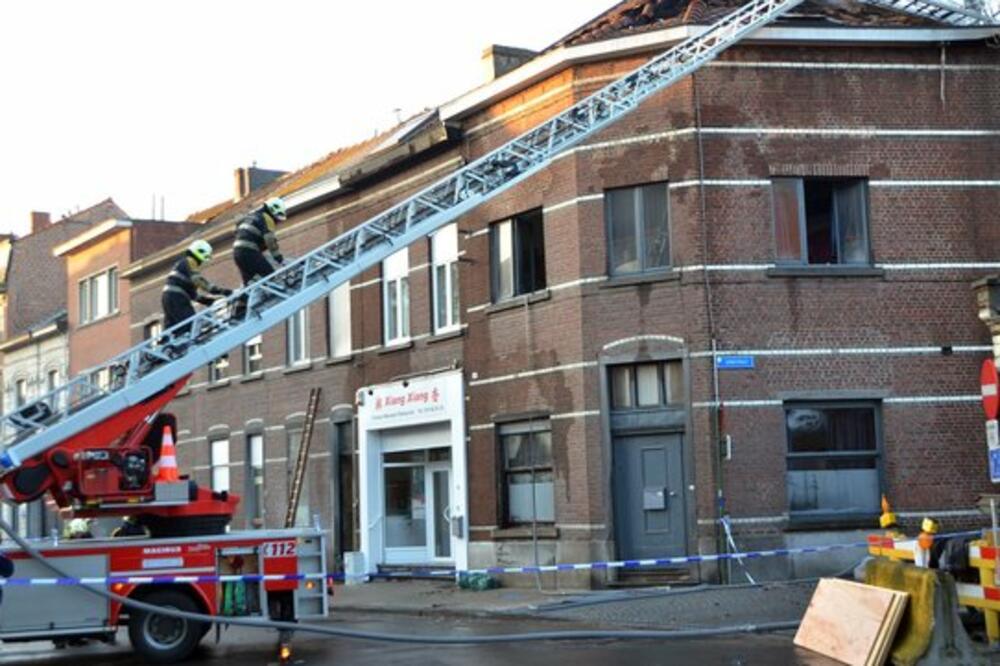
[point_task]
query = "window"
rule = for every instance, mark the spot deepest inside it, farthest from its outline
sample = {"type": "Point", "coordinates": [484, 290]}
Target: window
{"type": "Point", "coordinates": [253, 359]}
{"type": "Point", "coordinates": [526, 450]}
{"type": "Point", "coordinates": [217, 369]}
{"type": "Point", "coordinates": [98, 295]}
{"type": "Point", "coordinates": [220, 465]}
{"type": "Point", "coordinates": [444, 276]}
{"type": "Point", "coordinates": [254, 500]}
{"type": "Point", "coordinates": [51, 380]}
{"type": "Point", "coordinates": [517, 256]}
{"type": "Point", "coordinates": [396, 297]}
{"type": "Point", "coordinates": [339, 321]}
{"type": "Point", "coordinates": [638, 229]}
{"type": "Point", "coordinates": [832, 461]}
{"type": "Point", "coordinates": [302, 511]}
{"type": "Point", "coordinates": [297, 340]}
{"type": "Point", "coordinates": [152, 330]}
{"type": "Point", "coordinates": [101, 378]}
{"type": "Point", "coordinates": [647, 385]}
{"type": "Point", "coordinates": [20, 392]}
{"type": "Point", "coordinates": [821, 221]}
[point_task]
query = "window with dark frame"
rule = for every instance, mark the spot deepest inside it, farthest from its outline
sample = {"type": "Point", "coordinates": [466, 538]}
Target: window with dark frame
{"type": "Point", "coordinates": [638, 229]}
{"type": "Point", "coordinates": [517, 256]}
{"type": "Point", "coordinates": [528, 490]}
{"type": "Point", "coordinates": [646, 385]}
{"type": "Point", "coordinates": [821, 221]}
{"type": "Point", "coordinates": [833, 460]}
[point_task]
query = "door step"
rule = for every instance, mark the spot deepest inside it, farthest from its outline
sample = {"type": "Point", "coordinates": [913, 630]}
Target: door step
{"type": "Point", "coordinates": [628, 578]}
{"type": "Point", "coordinates": [415, 572]}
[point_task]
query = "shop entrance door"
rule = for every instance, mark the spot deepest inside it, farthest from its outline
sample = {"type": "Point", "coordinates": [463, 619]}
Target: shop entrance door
{"type": "Point", "coordinates": [417, 512]}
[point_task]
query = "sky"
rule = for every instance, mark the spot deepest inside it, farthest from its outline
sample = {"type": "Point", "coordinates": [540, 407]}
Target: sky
{"type": "Point", "coordinates": [142, 100]}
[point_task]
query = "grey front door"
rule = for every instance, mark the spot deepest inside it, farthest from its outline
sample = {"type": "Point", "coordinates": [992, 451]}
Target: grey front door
{"type": "Point", "coordinates": [649, 496]}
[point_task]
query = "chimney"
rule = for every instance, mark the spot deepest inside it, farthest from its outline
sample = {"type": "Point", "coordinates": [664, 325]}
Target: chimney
{"type": "Point", "coordinates": [39, 221]}
{"type": "Point", "coordinates": [252, 178]}
{"type": "Point", "coordinates": [498, 60]}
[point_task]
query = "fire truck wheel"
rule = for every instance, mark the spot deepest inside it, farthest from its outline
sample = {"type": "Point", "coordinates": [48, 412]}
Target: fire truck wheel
{"type": "Point", "coordinates": [161, 639]}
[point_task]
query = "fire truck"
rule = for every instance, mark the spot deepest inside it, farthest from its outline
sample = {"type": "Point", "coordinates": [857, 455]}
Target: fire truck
{"type": "Point", "coordinates": [126, 466]}
{"type": "Point", "coordinates": [69, 615]}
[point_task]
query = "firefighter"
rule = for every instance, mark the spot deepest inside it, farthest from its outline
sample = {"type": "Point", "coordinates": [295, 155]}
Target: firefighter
{"type": "Point", "coordinates": [183, 284]}
{"type": "Point", "coordinates": [254, 234]}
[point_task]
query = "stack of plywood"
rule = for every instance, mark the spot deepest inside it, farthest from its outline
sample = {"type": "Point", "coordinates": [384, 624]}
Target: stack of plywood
{"type": "Point", "coordinates": [851, 622]}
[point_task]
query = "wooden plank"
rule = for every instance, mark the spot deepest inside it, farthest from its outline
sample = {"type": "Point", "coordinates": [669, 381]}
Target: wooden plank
{"type": "Point", "coordinates": [851, 622]}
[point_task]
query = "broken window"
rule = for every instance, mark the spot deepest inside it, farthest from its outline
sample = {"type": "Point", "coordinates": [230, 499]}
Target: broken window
{"type": "Point", "coordinates": [638, 229]}
{"type": "Point", "coordinates": [821, 221]}
{"type": "Point", "coordinates": [517, 256]}
{"type": "Point", "coordinates": [833, 460]}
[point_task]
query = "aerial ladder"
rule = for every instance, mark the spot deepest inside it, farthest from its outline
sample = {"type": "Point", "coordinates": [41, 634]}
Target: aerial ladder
{"type": "Point", "coordinates": [64, 437]}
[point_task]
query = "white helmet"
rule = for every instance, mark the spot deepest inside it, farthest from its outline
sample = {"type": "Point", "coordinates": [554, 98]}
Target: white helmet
{"type": "Point", "coordinates": [275, 206]}
{"type": "Point", "coordinates": [201, 250]}
{"type": "Point", "coordinates": [78, 527]}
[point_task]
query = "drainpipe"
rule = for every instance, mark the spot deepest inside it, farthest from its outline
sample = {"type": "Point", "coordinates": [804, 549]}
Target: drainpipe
{"type": "Point", "coordinates": [715, 409]}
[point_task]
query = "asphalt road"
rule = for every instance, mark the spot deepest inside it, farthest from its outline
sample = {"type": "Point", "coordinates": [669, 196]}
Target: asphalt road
{"type": "Point", "coordinates": [245, 646]}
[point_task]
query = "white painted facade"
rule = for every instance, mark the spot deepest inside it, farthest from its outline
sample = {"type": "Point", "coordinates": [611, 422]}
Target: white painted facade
{"type": "Point", "coordinates": [413, 473]}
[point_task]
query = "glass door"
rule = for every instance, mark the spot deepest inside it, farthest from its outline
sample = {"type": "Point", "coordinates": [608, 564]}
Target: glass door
{"type": "Point", "coordinates": [405, 514]}
{"type": "Point", "coordinates": [440, 525]}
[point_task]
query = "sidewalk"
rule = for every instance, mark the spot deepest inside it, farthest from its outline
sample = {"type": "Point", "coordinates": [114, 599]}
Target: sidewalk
{"type": "Point", "coordinates": [661, 608]}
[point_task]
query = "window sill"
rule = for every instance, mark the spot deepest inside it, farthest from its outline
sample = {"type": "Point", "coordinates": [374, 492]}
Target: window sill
{"type": "Point", "coordinates": [99, 320]}
{"type": "Point", "coordinates": [298, 367]}
{"type": "Point", "coordinates": [252, 377]}
{"type": "Point", "coordinates": [643, 278]}
{"type": "Point", "coordinates": [447, 335]}
{"type": "Point", "coordinates": [339, 360]}
{"type": "Point", "coordinates": [825, 271]}
{"type": "Point", "coordinates": [519, 301]}
{"type": "Point", "coordinates": [221, 383]}
{"type": "Point", "coordinates": [524, 532]}
{"type": "Point", "coordinates": [395, 347]}
{"type": "Point", "coordinates": [811, 523]}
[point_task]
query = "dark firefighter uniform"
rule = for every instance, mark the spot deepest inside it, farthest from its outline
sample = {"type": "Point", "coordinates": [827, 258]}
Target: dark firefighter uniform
{"type": "Point", "coordinates": [182, 287]}
{"type": "Point", "coordinates": [254, 234]}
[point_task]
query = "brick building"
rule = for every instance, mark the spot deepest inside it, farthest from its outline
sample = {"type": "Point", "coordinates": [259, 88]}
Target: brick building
{"type": "Point", "coordinates": [538, 383]}
{"type": "Point", "coordinates": [34, 346]}
{"type": "Point", "coordinates": [99, 318]}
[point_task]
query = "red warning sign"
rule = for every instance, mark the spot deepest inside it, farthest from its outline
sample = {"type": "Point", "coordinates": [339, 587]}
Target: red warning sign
{"type": "Point", "coordinates": [988, 383]}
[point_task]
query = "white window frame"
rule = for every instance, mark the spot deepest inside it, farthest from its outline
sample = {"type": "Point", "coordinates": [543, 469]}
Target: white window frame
{"type": "Point", "coordinates": [90, 291]}
{"type": "Point", "coordinates": [20, 396]}
{"type": "Point", "coordinates": [251, 356]}
{"type": "Point", "coordinates": [396, 279]}
{"type": "Point", "coordinates": [444, 279]}
{"type": "Point", "coordinates": [339, 321]}
{"type": "Point", "coordinates": [217, 369]}
{"type": "Point", "coordinates": [219, 465]}
{"type": "Point", "coordinates": [297, 338]}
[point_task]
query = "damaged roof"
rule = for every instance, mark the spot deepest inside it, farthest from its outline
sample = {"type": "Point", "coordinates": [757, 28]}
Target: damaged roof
{"type": "Point", "coordinates": [631, 17]}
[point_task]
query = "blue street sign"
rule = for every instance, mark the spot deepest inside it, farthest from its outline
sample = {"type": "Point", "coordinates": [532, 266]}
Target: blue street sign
{"type": "Point", "coordinates": [995, 465]}
{"type": "Point", "coordinates": [735, 362]}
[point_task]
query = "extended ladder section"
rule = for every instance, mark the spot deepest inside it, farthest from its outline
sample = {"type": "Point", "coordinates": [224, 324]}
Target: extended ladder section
{"type": "Point", "coordinates": [140, 372]}
{"type": "Point", "coordinates": [972, 14]}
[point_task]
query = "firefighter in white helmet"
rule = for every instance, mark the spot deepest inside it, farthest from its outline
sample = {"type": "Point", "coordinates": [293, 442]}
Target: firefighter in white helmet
{"type": "Point", "coordinates": [185, 284]}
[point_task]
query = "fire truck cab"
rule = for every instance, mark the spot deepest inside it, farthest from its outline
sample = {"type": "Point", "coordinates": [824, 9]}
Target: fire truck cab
{"type": "Point", "coordinates": [171, 572]}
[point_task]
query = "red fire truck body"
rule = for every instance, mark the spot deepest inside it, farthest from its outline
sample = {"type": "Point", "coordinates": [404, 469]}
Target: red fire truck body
{"type": "Point", "coordinates": [163, 572]}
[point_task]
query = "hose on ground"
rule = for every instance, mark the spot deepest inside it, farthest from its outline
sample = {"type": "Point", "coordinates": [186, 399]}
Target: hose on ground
{"type": "Point", "coordinates": [581, 634]}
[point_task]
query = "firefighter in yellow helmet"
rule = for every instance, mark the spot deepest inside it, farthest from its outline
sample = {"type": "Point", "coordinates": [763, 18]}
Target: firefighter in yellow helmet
{"type": "Point", "coordinates": [185, 284]}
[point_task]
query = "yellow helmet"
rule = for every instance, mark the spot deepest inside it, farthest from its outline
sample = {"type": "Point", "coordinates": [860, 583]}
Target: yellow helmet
{"type": "Point", "coordinates": [201, 250]}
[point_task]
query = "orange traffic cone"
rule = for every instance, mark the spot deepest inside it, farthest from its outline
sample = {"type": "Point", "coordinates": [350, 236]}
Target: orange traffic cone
{"type": "Point", "coordinates": [168, 458]}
